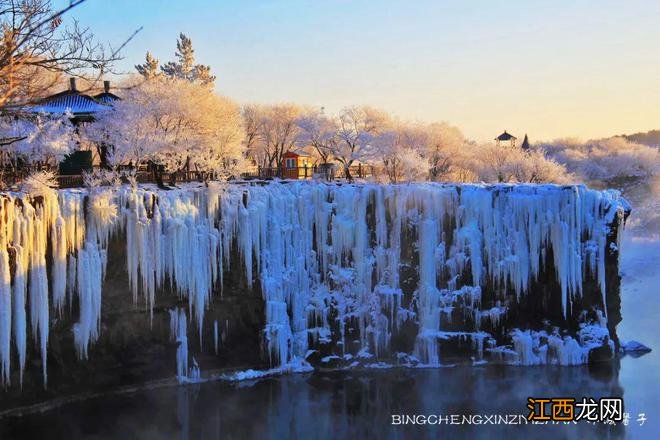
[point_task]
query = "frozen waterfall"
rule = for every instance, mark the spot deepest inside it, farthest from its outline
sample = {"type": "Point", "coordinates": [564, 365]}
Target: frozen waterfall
{"type": "Point", "coordinates": [341, 268]}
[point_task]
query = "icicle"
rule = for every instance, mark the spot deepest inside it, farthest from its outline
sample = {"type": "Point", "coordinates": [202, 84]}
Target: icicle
{"type": "Point", "coordinates": [102, 216]}
{"type": "Point", "coordinates": [20, 323]}
{"type": "Point", "coordinates": [195, 373]}
{"type": "Point", "coordinates": [90, 282]}
{"type": "Point", "coordinates": [215, 336]}
{"type": "Point", "coordinates": [5, 315]}
{"type": "Point", "coordinates": [182, 349]}
{"type": "Point", "coordinates": [525, 346]}
{"type": "Point", "coordinates": [429, 301]}
{"type": "Point", "coordinates": [39, 307]}
{"type": "Point", "coordinates": [60, 247]}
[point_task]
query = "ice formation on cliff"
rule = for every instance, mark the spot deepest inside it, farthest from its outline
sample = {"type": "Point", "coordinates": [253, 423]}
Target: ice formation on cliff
{"type": "Point", "coordinates": [312, 247]}
{"type": "Point", "coordinates": [179, 334]}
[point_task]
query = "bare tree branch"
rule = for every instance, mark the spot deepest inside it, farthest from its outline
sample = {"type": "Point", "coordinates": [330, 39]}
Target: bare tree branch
{"type": "Point", "coordinates": [36, 50]}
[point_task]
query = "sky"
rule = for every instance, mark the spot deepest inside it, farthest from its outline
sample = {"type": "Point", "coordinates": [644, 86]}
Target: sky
{"type": "Point", "coordinates": [584, 68]}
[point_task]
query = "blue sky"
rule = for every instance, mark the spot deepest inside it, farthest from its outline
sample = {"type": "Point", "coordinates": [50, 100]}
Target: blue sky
{"type": "Point", "coordinates": [547, 68]}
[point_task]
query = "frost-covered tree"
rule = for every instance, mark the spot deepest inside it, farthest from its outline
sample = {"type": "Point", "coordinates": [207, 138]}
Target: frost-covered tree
{"type": "Point", "coordinates": [252, 121]}
{"type": "Point", "coordinates": [179, 124]}
{"type": "Point", "coordinates": [650, 138]}
{"type": "Point", "coordinates": [525, 143]}
{"type": "Point", "coordinates": [320, 132]}
{"type": "Point", "coordinates": [149, 69]}
{"type": "Point", "coordinates": [398, 149]}
{"type": "Point", "coordinates": [412, 166]}
{"type": "Point", "coordinates": [357, 129]}
{"type": "Point", "coordinates": [537, 167]}
{"type": "Point", "coordinates": [279, 133]}
{"type": "Point", "coordinates": [39, 183]}
{"type": "Point", "coordinates": [443, 146]}
{"type": "Point", "coordinates": [492, 163]}
{"type": "Point", "coordinates": [604, 160]}
{"type": "Point", "coordinates": [36, 140]}
{"type": "Point", "coordinates": [184, 68]}
{"type": "Point", "coordinates": [35, 43]}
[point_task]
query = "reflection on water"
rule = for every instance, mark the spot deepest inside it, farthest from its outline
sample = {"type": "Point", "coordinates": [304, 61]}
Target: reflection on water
{"type": "Point", "coordinates": [360, 403]}
{"type": "Point", "coordinates": [337, 405]}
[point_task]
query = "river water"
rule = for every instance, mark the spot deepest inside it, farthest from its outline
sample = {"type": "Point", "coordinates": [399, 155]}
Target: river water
{"type": "Point", "coordinates": [352, 404]}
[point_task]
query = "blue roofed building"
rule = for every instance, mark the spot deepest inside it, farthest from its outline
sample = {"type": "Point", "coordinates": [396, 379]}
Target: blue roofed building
{"type": "Point", "coordinates": [81, 106]}
{"type": "Point", "coordinates": [82, 109]}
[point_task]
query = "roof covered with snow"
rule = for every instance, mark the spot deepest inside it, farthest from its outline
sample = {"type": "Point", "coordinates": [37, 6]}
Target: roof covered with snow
{"type": "Point", "coordinates": [71, 101]}
{"type": "Point", "coordinates": [106, 97]}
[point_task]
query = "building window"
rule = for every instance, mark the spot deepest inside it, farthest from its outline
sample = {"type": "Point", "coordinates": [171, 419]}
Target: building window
{"type": "Point", "coordinates": [290, 163]}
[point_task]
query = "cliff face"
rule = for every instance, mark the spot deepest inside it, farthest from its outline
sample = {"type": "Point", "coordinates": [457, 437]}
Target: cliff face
{"type": "Point", "coordinates": [286, 273]}
{"type": "Point", "coordinates": [131, 348]}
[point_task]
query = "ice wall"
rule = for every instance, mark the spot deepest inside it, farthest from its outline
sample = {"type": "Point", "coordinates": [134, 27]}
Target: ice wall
{"type": "Point", "coordinates": [342, 269]}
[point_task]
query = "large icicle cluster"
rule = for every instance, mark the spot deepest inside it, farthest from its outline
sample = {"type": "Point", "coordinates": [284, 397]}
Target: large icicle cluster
{"type": "Point", "coordinates": [315, 249]}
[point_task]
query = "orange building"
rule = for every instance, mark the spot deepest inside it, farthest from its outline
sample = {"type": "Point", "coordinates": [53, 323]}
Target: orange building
{"type": "Point", "coordinates": [297, 165]}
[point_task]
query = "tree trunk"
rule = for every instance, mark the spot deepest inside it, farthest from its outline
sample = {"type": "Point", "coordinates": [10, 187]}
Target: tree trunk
{"type": "Point", "coordinates": [347, 173]}
{"type": "Point", "coordinates": [159, 179]}
{"type": "Point", "coordinates": [102, 150]}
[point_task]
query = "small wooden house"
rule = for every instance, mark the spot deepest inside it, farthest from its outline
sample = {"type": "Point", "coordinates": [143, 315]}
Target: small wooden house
{"type": "Point", "coordinates": [297, 165]}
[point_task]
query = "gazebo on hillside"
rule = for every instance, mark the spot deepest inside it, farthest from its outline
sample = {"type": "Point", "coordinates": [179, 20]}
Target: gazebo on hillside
{"type": "Point", "coordinates": [506, 138]}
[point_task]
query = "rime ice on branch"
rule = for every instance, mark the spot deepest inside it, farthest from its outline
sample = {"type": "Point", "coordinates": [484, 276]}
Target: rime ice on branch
{"type": "Point", "coordinates": [342, 268]}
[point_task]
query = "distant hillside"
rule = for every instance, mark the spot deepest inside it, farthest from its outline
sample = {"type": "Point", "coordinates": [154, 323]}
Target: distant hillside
{"type": "Point", "coordinates": [651, 138]}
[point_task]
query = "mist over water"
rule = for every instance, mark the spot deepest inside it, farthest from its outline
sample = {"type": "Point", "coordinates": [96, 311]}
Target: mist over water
{"type": "Point", "coordinates": [640, 377]}
{"type": "Point", "coordinates": [349, 404]}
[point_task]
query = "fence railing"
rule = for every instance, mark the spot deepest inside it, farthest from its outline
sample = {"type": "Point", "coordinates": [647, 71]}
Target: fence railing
{"type": "Point", "coordinates": [281, 173]}
{"type": "Point", "coordinates": [70, 181]}
{"type": "Point", "coordinates": [356, 171]}
{"type": "Point", "coordinates": [10, 179]}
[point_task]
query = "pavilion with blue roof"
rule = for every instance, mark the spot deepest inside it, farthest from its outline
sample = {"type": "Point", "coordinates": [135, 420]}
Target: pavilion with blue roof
{"type": "Point", "coordinates": [82, 107]}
